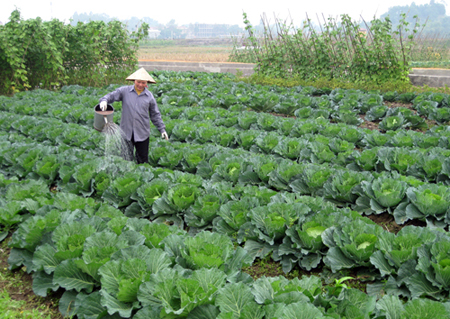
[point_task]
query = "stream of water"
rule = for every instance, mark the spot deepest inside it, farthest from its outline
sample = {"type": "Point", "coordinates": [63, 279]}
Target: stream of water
{"type": "Point", "coordinates": [115, 142]}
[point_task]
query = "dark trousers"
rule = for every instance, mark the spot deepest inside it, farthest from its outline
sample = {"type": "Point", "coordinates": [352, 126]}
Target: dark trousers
{"type": "Point", "coordinates": [141, 150]}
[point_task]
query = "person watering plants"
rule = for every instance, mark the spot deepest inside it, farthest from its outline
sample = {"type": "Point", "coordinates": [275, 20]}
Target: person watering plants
{"type": "Point", "coordinates": [138, 108]}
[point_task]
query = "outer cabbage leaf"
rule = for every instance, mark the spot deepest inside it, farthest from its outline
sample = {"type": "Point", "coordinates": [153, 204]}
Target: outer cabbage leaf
{"type": "Point", "coordinates": [235, 299]}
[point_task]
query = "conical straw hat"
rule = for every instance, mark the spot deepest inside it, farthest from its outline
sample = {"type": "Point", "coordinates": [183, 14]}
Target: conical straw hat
{"type": "Point", "coordinates": [142, 75]}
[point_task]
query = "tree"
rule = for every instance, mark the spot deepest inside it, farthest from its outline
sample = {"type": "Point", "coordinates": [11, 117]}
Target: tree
{"type": "Point", "coordinates": [431, 14]}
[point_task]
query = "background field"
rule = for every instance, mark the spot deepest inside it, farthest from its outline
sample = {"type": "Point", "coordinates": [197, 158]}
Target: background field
{"type": "Point", "coordinates": [186, 50]}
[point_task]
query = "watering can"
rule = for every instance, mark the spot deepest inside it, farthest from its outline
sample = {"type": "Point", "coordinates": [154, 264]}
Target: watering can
{"type": "Point", "coordinates": [103, 117]}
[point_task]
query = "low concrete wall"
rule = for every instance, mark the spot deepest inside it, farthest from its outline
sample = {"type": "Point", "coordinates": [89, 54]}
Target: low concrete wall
{"type": "Point", "coordinates": [430, 77]}
{"type": "Point", "coordinates": [245, 69]}
{"type": "Point", "coordinates": [418, 77]}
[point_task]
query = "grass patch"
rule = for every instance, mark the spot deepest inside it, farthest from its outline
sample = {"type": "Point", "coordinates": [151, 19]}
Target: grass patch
{"type": "Point", "coordinates": [17, 309]}
{"type": "Point", "coordinates": [17, 299]}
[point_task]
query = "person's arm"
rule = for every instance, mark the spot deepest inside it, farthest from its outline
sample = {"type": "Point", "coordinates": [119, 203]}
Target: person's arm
{"type": "Point", "coordinates": [112, 96]}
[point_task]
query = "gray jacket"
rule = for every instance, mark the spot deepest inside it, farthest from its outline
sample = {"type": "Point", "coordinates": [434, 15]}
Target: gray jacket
{"type": "Point", "coordinates": [137, 111]}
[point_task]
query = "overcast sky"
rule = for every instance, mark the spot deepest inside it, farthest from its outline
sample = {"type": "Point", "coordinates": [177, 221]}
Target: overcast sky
{"type": "Point", "coordinates": [203, 11]}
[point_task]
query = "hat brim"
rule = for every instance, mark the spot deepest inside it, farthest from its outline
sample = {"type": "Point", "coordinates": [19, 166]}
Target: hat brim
{"type": "Point", "coordinates": [141, 75]}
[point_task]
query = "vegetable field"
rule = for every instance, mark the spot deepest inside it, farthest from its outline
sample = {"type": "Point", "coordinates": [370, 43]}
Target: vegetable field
{"type": "Point", "coordinates": [250, 172]}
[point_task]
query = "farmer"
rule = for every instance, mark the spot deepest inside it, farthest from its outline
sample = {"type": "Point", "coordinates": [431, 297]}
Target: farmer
{"type": "Point", "coordinates": [138, 108]}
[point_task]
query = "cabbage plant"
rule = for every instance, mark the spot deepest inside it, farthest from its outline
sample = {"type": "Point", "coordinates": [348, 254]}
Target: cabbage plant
{"type": "Point", "coordinates": [285, 125]}
{"type": "Point", "coordinates": [303, 242]}
{"type": "Point", "coordinates": [233, 214]}
{"type": "Point", "coordinates": [319, 153]}
{"type": "Point", "coordinates": [178, 198]}
{"type": "Point", "coordinates": [266, 142]}
{"type": "Point", "coordinates": [304, 127]}
{"type": "Point", "coordinates": [440, 98]}
{"type": "Point", "coordinates": [272, 221]}
{"type": "Point", "coordinates": [290, 148]}
{"type": "Point", "coordinates": [429, 202]}
{"type": "Point", "coordinates": [392, 123]}
{"type": "Point", "coordinates": [425, 107]}
{"type": "Point", "coordinates": [375, 138]}
{"type": "Point", "coordinates": [183, 130]}
{"type": "Point", "coordinates": [287, 171]}
{"type": "Point", "coordinates": [365, 160]}
{"type": "Point", "coordinates": [399, 159]}
{"type": "Point", "coordinates": [148, 193]}
{"type": "Point", "coordinates": [263, 166]}
{"type": "Point", "coordinates": [246, 139]}
{"type": "Point", "coordinates": [397, 251]}
{"type": "Point", "coordinates": [207, 250]}
{"type": "Point", "coordinates": [350, 134]}
{"type": "Point", "coordinates": [340, 188]}
{"type": "Point", "coordinates": [403, 139]}
{"type": "Point", "coordinates": [434, 263]}
{"type": "Point", "coordinates": [440, 115]}
{"type": "Point", "coordinates": [230, 169]}
{"type": "Point", "coordinates": [351, 245]}
{"type": "Point", "coordinates": [428, 168]}
{"type": "Point", "coordinates": [204, 210]}
{"type": "Point", "coordinates": [287, 106]}
{"type": "Point", "coordinates": [376, 112]}
{"type": "Point", "coordinates": [381, 194]}
{"type": "Point", "coordinates": [347, 116]}
{"type": "Point", "coordinates": [267, 122]}
{"type": "Point", "coordinates": [311, 181]}
{"type": "Point", "coordinates": [248, 120]}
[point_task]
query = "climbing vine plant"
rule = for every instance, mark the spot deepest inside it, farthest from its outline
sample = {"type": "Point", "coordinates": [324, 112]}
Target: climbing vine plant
{"type": "Point", "coordinates": [336, 49]}
{"type": "Point", "coordinates": [47, 54]}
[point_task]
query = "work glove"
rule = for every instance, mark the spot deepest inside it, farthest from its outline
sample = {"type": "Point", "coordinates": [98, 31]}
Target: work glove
{"type": "Point", "coordinates": [103, 105]}
{"type": "Point", "coordinates": [165, 136]}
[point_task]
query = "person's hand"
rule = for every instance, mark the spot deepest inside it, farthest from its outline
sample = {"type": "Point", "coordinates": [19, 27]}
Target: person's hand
{"type": "Point", "coordinates": [165, 136]}
{"type": "Point", "coordinates": [103, 105]}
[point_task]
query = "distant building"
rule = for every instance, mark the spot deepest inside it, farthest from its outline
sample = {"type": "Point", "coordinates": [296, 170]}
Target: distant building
{"type": "Point", "coordinates": [362, 32]}
{"type": "Point", "coordinates": [204, 30]}
{"type": "Point", "coordinates": [153, 33]}
{"type": "Point", "coordinates": [184, 29]}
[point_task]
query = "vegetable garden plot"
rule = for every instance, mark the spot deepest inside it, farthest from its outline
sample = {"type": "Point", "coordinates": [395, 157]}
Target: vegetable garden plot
{"type": "Point", "coordinates": [301, 211]}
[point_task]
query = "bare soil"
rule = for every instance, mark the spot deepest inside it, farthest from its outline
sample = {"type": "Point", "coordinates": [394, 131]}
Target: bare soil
{"type": "Point", "coordinates": [387, 221]}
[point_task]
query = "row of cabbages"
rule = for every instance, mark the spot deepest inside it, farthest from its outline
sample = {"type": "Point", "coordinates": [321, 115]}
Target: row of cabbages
{"type": "Point", "coordinates": [356, 185]}
{"type": "Point", "coordinates": [106, 262]}
{"type": "Point", "coordinates": [295, 229]}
